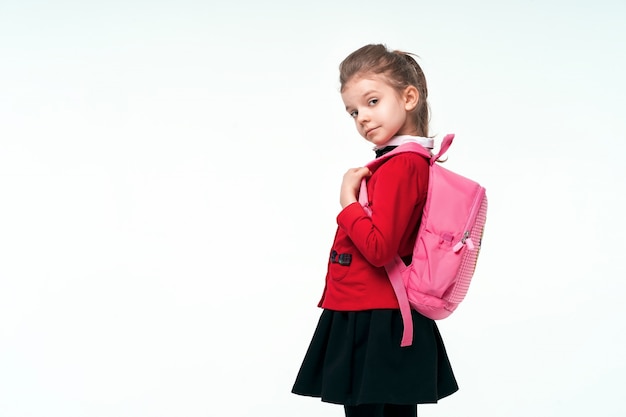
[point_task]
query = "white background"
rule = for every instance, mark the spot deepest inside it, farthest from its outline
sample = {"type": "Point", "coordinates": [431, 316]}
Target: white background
{"type": "Point", "coordinates": [169, 176]}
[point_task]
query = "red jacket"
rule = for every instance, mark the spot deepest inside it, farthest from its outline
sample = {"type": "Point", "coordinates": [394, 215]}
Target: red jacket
{"type": "Point", "coordinates": [356, 278]}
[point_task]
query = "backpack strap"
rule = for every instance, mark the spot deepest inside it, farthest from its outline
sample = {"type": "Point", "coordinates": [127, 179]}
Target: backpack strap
{"type": "Point", "coordinates": [394, 268]}
{"type": "Point", "coordinates": [405, 147]}
{"type": "Point", "coordinates": [376, 163]}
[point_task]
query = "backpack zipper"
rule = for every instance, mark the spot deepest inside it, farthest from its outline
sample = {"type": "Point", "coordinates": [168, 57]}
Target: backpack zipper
{"type": "Point", "coordinates": [466, 239]}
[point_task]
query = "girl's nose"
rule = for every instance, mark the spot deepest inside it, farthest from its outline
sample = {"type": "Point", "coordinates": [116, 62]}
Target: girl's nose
{"type": "Point", "coordinates": [363, 116]}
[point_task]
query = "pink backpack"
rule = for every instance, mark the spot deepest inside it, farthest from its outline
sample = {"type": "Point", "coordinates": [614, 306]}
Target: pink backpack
{"type": "Point", "coordinates": [447, 244]}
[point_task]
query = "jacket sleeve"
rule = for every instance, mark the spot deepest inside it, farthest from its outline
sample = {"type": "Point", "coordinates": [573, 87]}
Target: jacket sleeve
{"type": "Point", "coordinates": [393, 200]}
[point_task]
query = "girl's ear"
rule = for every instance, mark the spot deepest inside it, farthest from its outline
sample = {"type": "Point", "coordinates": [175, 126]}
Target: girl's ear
{"type": "Point", "coordinates": [411, 97]}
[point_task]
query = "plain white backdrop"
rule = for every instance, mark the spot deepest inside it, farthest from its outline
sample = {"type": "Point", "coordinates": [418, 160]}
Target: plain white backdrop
{"type": "Point", "coordinates": [169, 181]}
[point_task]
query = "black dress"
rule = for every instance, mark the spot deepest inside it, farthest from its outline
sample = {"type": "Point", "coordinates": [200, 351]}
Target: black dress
{"type": "Point", "coordinates": [355, 358]}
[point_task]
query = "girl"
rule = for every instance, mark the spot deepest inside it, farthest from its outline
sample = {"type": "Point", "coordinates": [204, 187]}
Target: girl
{"type": "Point", "coordinates": [355, 358]}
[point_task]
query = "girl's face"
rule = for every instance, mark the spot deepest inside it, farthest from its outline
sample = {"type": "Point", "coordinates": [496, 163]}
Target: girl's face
{"type": "Point", "coordinates": [379, 110]}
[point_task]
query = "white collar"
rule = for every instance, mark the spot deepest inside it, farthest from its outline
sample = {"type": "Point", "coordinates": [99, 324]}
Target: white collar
{"type": "Point", "coordinates": [427, 143]}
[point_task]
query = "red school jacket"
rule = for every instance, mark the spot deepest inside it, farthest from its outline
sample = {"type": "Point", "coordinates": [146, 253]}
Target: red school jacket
{"type": "Point", "coordinates": [356, 278]}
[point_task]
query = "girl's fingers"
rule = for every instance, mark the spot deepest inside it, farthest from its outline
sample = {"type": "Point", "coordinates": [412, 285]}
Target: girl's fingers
{"type": "Point", "coordinates": [360, 172]}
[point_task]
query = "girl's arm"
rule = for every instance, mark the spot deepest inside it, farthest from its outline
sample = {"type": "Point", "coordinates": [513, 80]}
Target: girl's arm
{"type": "Point", "coordinates": [401, 184]}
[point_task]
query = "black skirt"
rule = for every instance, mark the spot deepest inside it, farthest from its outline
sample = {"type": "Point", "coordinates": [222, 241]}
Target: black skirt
{"type": "Point", "coordinates": [355, 358]}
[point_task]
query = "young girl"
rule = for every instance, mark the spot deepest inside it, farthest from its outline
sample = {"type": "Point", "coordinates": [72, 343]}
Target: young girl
{"type": "Point", "coordinates": [355, 358]}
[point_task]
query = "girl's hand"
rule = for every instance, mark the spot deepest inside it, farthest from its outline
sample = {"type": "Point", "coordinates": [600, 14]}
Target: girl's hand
{"type": "Point", "coordinates": [351, 184]}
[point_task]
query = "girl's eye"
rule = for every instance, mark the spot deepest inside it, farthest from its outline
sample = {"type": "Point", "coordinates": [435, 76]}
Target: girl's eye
{"type": "Point", "coordinates": [373, 101]}
{"type": "Point", "coordinates": [354, 114]}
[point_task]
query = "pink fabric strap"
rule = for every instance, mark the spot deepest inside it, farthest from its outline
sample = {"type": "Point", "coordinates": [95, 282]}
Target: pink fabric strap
{"type": "Point", "coordinates": [363, 197]}
{"type": "Point", "coordinates": [395, 277]}
{"type": "Point", "coordinates": [393, 270]}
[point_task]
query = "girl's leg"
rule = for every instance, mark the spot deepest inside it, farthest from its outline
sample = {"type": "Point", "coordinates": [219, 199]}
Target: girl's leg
{"type": "Point", "coordinates": [364, 410]}
{"type": "Point", "coordinates": [400, 410]}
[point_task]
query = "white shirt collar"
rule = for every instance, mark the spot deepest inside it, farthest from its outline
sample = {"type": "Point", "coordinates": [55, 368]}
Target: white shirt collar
{"type": "Point", "coordinates": [427, 143]}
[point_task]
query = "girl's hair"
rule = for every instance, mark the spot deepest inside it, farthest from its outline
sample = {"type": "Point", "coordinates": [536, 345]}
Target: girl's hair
{"type": "Point", "coordinates": [399, 68]}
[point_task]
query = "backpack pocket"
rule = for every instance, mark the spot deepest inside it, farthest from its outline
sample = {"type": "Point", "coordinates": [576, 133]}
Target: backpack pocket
{"type": "Point", "coordinates": [434, 262]}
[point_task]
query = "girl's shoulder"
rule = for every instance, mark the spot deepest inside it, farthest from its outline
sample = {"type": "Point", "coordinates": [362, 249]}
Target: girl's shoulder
{"type": "Point", "coordinates": [404, 162]}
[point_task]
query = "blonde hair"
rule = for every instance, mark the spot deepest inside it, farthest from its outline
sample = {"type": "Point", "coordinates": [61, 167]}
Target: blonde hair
{"type": "Point", "coordinates": [398, 67]}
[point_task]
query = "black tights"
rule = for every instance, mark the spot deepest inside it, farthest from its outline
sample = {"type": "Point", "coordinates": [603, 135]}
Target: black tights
{"type": "Point", "coordinates": [381, 410]}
